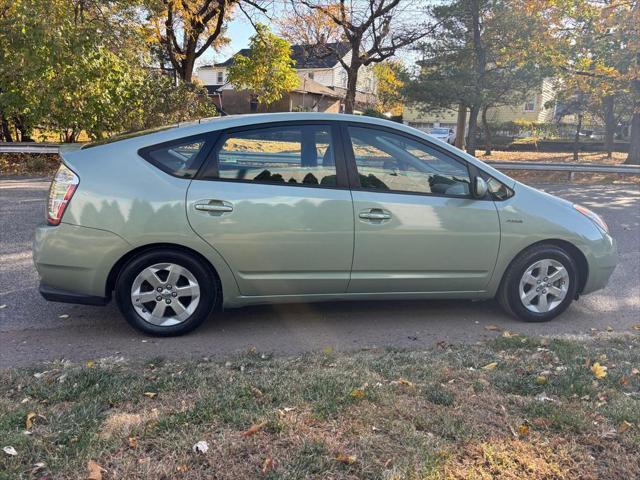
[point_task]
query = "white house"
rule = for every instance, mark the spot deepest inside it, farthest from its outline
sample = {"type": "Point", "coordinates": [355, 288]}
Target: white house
{"type": "Point", "coordinates": [318, 63]}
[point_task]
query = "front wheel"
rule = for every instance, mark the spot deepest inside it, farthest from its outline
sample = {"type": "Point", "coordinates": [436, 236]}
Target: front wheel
{"type": "Point", "coordinates": [539, 284]}
{"type": "Point", "coordinates": [165, 292]}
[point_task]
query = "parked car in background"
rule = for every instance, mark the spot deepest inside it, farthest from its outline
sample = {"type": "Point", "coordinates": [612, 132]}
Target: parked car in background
{"type": "Point", "coordinates": [305, 207]}
{"type": "Point", "coordinates": [445, 134]}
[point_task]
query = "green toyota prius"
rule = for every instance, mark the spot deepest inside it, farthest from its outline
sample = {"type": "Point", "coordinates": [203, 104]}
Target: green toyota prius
{"type": "Point", "coordinates": [305, 207]}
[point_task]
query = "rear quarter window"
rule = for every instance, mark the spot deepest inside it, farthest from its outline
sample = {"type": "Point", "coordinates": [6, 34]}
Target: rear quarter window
{"type": "Point", "coordinates": [180, 158]}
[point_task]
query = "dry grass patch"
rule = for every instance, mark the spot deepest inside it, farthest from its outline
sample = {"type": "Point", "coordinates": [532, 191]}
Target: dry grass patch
{"type": "Point", "coordinates": [431, 414]}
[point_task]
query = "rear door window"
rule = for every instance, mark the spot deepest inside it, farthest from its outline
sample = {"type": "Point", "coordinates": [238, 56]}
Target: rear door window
{"type": "Point", "coordinates": [290, 154]}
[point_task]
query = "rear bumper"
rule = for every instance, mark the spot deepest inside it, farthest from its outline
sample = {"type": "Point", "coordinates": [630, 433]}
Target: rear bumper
{"type": "Point", "coordinates": [58, 295]}
{"type": "Point", "coordinates": [74, 262]}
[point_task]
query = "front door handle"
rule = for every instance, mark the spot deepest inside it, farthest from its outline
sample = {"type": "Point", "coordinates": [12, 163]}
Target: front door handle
{"type": "Point", "coordinates": [376, 214]}
{"type": "Point", "coordinates": [214, 207]}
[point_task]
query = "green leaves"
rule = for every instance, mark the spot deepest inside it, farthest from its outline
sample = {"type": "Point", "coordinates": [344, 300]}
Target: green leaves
{"type": "Point", "coordinates": [268, 70]}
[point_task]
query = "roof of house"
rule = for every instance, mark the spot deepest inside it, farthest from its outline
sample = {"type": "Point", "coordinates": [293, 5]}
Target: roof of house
{"type": "Point", "coordinates": [306, 56]}
{"type": "Point", "coordinates": [308, 85]}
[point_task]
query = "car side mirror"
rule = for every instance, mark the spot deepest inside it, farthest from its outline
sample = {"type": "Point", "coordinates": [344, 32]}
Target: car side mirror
{"type": "Point", "coordinates": [479, 187]}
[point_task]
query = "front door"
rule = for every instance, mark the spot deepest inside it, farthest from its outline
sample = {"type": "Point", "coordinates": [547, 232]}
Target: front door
{"type": "Point", "coordinates": [417, 228]}
{"type": "Point", "coordinates": [274, 202]}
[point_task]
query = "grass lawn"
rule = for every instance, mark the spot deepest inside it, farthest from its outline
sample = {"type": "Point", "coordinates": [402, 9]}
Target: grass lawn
{"type": "Point", "coordinates": [512, 408]}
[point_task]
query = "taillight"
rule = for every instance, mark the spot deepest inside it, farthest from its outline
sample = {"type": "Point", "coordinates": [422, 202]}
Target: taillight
{"type": "Point", "coordinates": [62, 189]}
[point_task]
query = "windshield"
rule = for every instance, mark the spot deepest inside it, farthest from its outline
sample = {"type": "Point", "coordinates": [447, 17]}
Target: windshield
{"type": "Point", "coordinates": [440, 131]}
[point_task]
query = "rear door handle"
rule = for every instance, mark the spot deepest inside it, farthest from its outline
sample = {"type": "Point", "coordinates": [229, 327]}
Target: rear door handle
{"type": "Point", "coordinates": [214, 207]}
{"type": "Point", "coordinates": [376, 214]}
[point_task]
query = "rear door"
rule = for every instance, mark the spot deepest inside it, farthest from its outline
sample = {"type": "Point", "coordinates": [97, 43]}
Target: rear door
{"type": "Point", "coordinates": [417, 228]}
{"type": "Point", "coordinates": [273, 200]}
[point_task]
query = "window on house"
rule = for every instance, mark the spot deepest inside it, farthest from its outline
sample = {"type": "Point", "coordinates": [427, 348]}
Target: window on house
{"type": "Point", "coordinates": [343, 79]}
{"type": "Point", "coordinates": [530, 105]}
{"type": "Point", "coordinates": [220, 78]}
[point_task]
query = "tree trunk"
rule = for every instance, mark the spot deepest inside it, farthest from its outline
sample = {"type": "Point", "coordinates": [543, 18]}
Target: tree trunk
{"type": "Point", "coordinates": [609, 123]}
{"type": "Point", "coordinates": [350, 95]}
{"type": "Point", "coordinates": [576, 140]}
{"type": "Point", "coordinates": [5, 130]}
{"type": "Point", "coordinates": [473, 127]}
{"type": "Point", "coordinates": [23, 130]}
{"type": "Point", "coordinates": [487, 131]}
{"type": "Point", "coordinates": [634, 142]}
{"type": "Point", "coordinates": [461, 125]}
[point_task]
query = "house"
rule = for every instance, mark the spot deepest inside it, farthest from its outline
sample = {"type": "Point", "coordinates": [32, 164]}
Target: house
{"type": "Point", "coordinates": [323, 82]}
{"type": "Point", "coordinates": [535, 109]}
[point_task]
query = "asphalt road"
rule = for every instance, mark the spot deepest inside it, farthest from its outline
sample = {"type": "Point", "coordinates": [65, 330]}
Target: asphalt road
{"type": "Point", "coordinates": [32, 330]}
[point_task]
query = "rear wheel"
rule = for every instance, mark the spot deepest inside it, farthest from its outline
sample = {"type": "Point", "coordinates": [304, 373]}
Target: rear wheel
{"type": "Point", "coordinates": [539, 284]}
{"type": "Point", "coordinates": [166, 292]}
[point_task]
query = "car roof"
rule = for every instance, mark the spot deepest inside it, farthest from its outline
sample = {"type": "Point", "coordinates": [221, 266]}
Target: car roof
{"type": "Point", "coordinates": [203, 126]}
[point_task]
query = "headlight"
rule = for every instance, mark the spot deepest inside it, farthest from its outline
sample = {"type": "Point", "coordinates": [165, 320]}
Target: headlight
{"type": "Point", "coordinates": [62, 189]}
{"type": "Point", "coordinates": [594, 217]}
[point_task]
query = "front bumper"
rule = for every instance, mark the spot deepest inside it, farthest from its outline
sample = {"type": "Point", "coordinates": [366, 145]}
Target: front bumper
{"type": "Point", "coordinates": [74, 262]}
{"type": "Point", "coordinates": [602, 260]}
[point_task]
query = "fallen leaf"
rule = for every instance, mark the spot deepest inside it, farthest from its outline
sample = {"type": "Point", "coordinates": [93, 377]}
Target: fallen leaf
{"type": "Point", "coordinates": [348, 459]}
{"type": "Point", "coordinates": [267, 465]}
{"type": "Point", "coordinates": [328, 350]}
{"type": "Point", "coordinates": [406, 383]}
{"type": "Point", "coordinates": [609, 328]}
{"type": "Point", "coordinates": [257, 393]}
{"type": "Point", "coordinates": [541, 379]}
{"type": "Point", "coordinates": [358, 393]}
{"type": "Point", "coordinates": [490, 366]}
{"type": "Point", "coordinates": [623, 427]}
{"type": "Point", "coordinates": [28, 422]}
{"type": "Point", "coordinates": [492, 328]}
{"type": "Point", "coordinates": [90, 364]}
{"type": "Point", "coordinates": [253, 429]}
{"type": "Point", "coordinates": [635, 371]}
{"type": "Point", "coordinates": [150, 394]}
{"type": "Point", "coordinates": [623, 380]}
{"type": "Point", "coordinates": [598, 370]}
{"type": "Point", "coordinates": [508, 334]}
{"type": "Point", "coordinates": [636, 326]}
{"type": "Point", "coordinates": [133, 442]}
{"type": "Point", "coordinates": [523, 430]}
{"type": "Point", "coordinates": [200, 447]}
{"type": "Point", "coordinates": [10, 451]}
{"type": "Point", "coordinates": [95, 471]}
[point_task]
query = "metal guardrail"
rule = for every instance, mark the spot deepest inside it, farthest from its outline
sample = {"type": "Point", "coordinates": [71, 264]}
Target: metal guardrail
{"type": "Point", "coordinates": [19, 147]}
{"type": "Point", "coordinates": [571, 168]}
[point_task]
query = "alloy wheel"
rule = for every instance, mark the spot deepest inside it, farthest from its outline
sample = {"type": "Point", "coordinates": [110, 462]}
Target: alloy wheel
{"type": "Point", "coordinates": [544, 285]}
{"type": "Point", "coordinates": [165, 294]}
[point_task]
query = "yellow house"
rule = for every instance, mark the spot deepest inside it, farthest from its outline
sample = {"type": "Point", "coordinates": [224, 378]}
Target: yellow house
{"type": "Point", "coordinates": [532, 110]}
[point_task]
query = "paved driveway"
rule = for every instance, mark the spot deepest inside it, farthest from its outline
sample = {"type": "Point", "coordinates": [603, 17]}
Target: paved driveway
{"type": "Point", "coordinates": [31, 329]}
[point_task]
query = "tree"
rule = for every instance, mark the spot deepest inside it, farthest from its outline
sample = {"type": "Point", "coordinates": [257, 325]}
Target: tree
{"type": "Point", "coordinates": [268, 70]}
{"type": "Point", "coordinates": [375, 30]}
{"type": "Point", "coordinates": [80, 66]}
{"type": "Point", "coordinates": [597, 53]}
{"type": "Point", "coordinates": [187, 28]}
{"type": "Point", "coordinates": [483, 53]}
{"type": "Point", "coordinates": [309, 27]}
{"type": "Point", "coordinates": [390, 77]}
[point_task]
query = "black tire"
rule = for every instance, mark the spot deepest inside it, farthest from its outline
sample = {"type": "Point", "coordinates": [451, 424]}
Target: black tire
{"type": "Point", "coordinates": [207, 281]}
{"type": "Point", "coordinates": [508, 295]}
